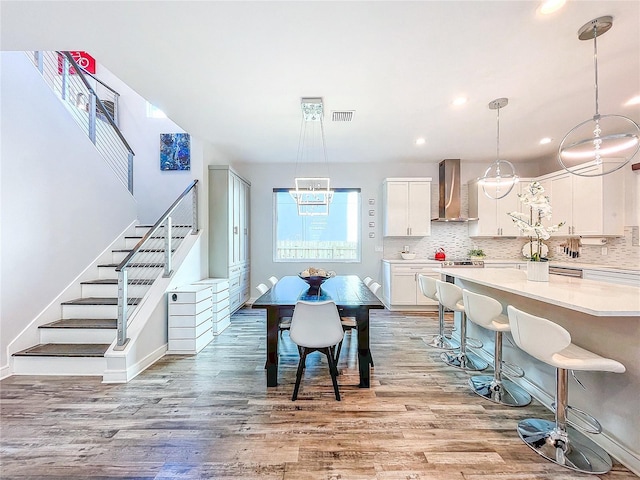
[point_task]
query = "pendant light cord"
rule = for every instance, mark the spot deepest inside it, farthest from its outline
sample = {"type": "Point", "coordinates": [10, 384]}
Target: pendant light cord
{"type": "Point", "coordinates": [595, 64]}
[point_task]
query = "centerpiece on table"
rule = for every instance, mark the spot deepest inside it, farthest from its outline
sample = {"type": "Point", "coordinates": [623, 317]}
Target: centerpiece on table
{"type": "Point", "coordinates": [531, 224]}
{"type": "Point", "coordinates": [316, 277]}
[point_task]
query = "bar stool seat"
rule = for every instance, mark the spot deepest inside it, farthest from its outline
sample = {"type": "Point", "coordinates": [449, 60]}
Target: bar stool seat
{"type": "Point", "coordinates": [487, 313]}
{"type": "Point", "coordinates": [450, 296]}
{"type": "Point", "coordinates": [550, 343]}
{"type": "Point", "coordinates": [441, 340]}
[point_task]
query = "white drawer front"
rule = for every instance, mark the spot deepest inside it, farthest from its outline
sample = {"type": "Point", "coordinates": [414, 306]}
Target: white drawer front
{"type": "Point", "coordinates": [189, 320]}
{"type": "Point", "coordinates": [190, 308]}
{"type": "Point", "coordinates": [190, 332]}
{"type": "Point", "coordinates": [200, 293]}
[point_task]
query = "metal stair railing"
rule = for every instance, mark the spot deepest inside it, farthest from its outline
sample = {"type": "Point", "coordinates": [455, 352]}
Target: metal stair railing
{"type": "Point", "coordinates": [154, 253]}
{"type": "Point", "coordinates": [96, 115]}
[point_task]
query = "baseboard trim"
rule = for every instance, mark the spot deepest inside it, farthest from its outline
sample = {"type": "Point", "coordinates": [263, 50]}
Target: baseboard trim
{"type": "Point", "coordinates": [127, 374]}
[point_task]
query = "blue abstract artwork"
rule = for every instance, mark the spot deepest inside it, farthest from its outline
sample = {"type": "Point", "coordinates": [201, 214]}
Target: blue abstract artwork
{"type": "Point", "coordinates": [175, 151]}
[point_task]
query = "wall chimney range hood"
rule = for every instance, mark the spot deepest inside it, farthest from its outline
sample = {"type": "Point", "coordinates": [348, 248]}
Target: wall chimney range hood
{"type": "Point", "coordinates": [449, 203]}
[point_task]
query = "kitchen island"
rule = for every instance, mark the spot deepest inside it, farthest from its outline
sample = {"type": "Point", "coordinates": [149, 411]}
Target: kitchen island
{"type": "Point", "coordinates": [601, 317]}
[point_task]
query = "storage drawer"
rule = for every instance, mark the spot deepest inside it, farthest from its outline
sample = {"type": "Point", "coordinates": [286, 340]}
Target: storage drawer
{"type": "Point", "coordinates": [222, 307]}
{"type": "Point", "coordinates": [190, 332]}
{"type": "Point", "coordinates": [234, 283]}
{"type": "Point", "coordinates": [190, 345]}
{"type": "Point", "coordinates": [189, 320]}
{"type": "Point", "coordinates": [189, 308]}
{"type": "Point", "coordinates": [191, 294]}
{"type": "Point", "coordinates": [221, 324]}
{"type": "Point", "coordinates": [217, 284]}
{"type": "Point", "coordinates": [220, 296]}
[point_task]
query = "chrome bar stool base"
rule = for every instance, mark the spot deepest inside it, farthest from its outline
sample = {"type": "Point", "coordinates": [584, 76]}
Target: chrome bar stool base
{"type": "Point", "coordinates": [504, 392]}
{"type": "Point", "coordinates": [465, 361]}
{"type": "Point", "coordinates": [569, 448]}
{"type": "Point", "coordinates": [443, 342]}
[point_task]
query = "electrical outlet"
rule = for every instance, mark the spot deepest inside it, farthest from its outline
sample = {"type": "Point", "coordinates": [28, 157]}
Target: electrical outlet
{"type": "Point", "coordinates": [603, 250]}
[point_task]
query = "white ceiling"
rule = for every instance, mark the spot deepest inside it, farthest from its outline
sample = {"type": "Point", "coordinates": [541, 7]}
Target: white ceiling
{"type": "Point", "coordinates": [232, 73]}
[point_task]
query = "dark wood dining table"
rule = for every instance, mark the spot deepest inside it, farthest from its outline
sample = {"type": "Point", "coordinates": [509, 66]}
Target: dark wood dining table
{"type": "Point", "coordinates": [352, 297]}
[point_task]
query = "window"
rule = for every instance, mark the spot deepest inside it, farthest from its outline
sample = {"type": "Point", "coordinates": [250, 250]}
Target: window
{"type": "Point", "coordinates": [332, 238]}
{"type": "Point", "coordinates": [154, 112]}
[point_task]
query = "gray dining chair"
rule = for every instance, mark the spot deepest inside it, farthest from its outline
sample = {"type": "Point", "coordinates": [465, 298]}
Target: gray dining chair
{"type": "Point", "coordinates": [315, 326]}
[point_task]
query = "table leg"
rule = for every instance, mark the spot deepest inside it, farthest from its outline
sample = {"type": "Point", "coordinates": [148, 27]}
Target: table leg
{"type": "Point", "coordinates": [364, 353]}
{"type": "Point", "coordinates": [272, 346]}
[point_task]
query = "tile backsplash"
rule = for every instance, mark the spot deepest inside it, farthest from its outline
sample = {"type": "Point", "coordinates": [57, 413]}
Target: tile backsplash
{"type": "Point", "coordinates": [454, 239]}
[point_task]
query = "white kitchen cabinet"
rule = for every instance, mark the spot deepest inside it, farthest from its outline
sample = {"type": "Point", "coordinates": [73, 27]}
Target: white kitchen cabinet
{"type": "Point", "coordinates": [493, 219]}
{"type": "Point", "coordinates": [590, 206]}
{"type": "Point", "coordinates": [400, 286]}
{"type": "Point", "coordinates": [406, 207]}
{"type": "Point", "coordinates": [229, 249]}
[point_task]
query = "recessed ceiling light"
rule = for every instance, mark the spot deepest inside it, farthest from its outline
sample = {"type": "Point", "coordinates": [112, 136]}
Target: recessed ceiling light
{"type": "Point", "coordinates": [545, 140]}
{"type": "Point", "coordinates": [633, 101]}
{"type": "Point", "coordinates": [549, 6]}
{"type": "Point", "coordinates": [420, 141]}
{"type": "Point", "coordinates": [460, 101]}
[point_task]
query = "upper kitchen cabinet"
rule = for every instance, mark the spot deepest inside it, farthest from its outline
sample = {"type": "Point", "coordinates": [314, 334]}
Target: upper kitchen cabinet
{"type": "Point", "coordinates": [493, 215]}
{"type": "Point", "coordinates": [406, 204]}
{"type": "Point", "coordinates": [229, 231]}
{"type": "Point", "coordinates": [590, 206]}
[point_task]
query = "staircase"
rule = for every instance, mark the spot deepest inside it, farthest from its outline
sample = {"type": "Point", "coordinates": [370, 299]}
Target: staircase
{"type": "Point", "coordinates": [76, 343]}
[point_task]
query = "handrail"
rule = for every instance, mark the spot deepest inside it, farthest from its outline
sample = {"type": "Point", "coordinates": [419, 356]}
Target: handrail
{"type": "Point", "coordinates": [155, 227]}
{"type": "Point", "coordinates": [77, 67]}
{"type": "Point", "coordinates": [146, 253]}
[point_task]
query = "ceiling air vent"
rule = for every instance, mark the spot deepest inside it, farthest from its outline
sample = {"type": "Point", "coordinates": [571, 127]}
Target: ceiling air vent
{"type": "Point", "coordinates": [342, 116]}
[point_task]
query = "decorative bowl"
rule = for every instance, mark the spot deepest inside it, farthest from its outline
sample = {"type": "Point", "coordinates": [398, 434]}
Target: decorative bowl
{"type": "Point", "coordinates": [407, 255]}
{"type": "Point", "coordinates": [314, 281]}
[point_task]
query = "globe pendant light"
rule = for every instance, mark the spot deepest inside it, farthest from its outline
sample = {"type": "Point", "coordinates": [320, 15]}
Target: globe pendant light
{"type": "Point", "coordinates": [499, 179]}
{"type": "Point", "coordinates": [608, 141]}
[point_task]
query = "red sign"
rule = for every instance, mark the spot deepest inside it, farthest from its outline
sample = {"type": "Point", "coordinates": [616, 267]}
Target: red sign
{"type": "Point", "coordinates": [83, 59]}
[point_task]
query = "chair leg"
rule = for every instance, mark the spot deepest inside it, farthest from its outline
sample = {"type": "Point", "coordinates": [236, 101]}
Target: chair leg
{"type": "Point", "coordinates": [303, 359]}
{"type": "Point", "coordinates": [334, 372]}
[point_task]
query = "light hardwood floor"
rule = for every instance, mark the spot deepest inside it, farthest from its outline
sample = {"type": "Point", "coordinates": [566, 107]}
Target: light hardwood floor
{"type": "Point", "coordinates": [211, 416]}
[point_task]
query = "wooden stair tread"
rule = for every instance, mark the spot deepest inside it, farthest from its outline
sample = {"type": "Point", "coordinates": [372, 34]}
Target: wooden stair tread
{"type": "Point", "coordinates": [101, 323]}
{"type": "Point", "coordinates": [114, 281]}
{"type": "Point", "coordinates": [100, 301]}
{"type": "Point", "coordinates": [65, 350]}
{"type": "Point", "coordinates": [135, 265]}
{"type": "Point", "coordinates": [143, 250]}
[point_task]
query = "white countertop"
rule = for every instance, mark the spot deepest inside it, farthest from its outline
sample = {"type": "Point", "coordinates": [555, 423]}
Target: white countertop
{"type": "Point", "coordinates": [587, 296]}
{"type": "Point", "coordinates": [559, 263]}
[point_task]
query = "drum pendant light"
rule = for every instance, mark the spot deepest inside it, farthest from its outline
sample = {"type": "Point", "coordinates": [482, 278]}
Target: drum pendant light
{"type": "Point", "coordinates": [500, 178]}
{"type": "Point", "coordinates": [607, 141]}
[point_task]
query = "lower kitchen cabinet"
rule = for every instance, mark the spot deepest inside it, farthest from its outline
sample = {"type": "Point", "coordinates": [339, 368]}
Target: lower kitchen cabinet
{"type": "Point", "coordinates": [221, 317]}
{"type": "Point", "coordinates": [400, 286]}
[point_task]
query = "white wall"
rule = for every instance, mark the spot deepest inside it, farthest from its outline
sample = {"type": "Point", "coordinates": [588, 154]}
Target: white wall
{"type": "Point", "coordinates": [61, 204]}
{"type": "Point", "coordinates": [154, 189]}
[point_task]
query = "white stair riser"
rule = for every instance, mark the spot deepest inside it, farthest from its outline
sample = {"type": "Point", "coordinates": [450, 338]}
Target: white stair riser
{"type": "Point", "coordinates": [59, 365]}
{"type": "Point", "coordinates": [107, 272]}
{"type": "Point", "coordinates": [107, 291]}
{"type": "Point", "coordinates": [90, 311]}
{"type": "Point", "coordinates": [77, 335]}
{"type": "Point", "coordinates": [110, 272]}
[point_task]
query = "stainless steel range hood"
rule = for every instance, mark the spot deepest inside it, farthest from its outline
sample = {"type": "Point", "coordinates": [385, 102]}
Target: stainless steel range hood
{"type": "Point", "coordinates": [449, 203]}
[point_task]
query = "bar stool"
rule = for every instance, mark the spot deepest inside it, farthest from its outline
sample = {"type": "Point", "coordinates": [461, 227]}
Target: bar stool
{"type": "Point", "coordinates": [551, 344]}
{"type": "Point", "coordinates": [450, 296]}
{"type": "Point", "coordinates": [428, 289]}
{"type": "Point", "coordinates": [487, 312]}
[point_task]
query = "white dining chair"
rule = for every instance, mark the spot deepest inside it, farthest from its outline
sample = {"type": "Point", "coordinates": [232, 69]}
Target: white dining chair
{"type": "Point", "coordinates": [375, 287]}
{"type": "Point", "coordinates": [315, 326]}
{"type": "Point", "coordinates": [262, 288]}
{"type": "Point", "coordinates": [367, 281]}
{"type": "Point", "coordinates": [273, 280]}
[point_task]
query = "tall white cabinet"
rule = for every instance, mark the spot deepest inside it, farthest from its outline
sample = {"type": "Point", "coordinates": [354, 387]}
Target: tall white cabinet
{"type": "Point", "coordinates": [229, 252]}
{"type": "Point", "coordinates": [406, 207]}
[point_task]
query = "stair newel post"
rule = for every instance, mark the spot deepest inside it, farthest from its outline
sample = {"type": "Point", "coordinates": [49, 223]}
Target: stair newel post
{"type": "Point", "coordinates": [130, 171]}
{"type": "Point", "coordinates": [167, 249]}
{"type": "Point", "coordinates": [122, 339]}
{"type": "Point", "coordinates": [92, 117]}
{"type": "Point", "coordinates": [194, 197]}
{"type": "Point", "coordinates": [65, 77]}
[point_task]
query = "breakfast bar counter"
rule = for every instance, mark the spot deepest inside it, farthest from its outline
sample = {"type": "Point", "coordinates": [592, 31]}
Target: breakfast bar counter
{"type": "Point", "coordinates": [601, 317]}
